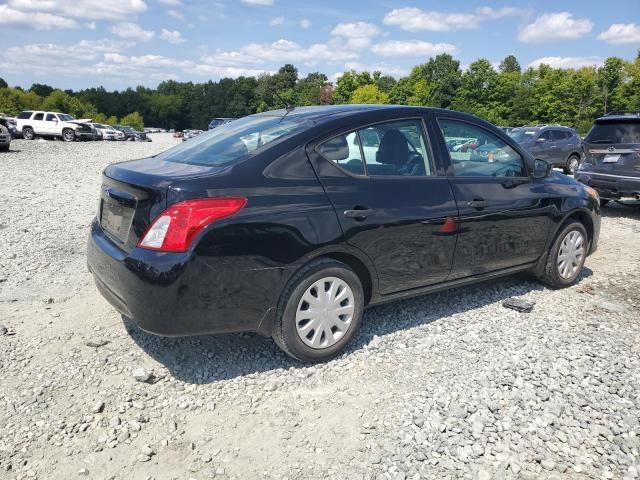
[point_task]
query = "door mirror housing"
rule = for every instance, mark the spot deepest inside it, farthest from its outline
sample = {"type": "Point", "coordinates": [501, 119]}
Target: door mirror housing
{"type": "Point", "coordinates": [541, 168]}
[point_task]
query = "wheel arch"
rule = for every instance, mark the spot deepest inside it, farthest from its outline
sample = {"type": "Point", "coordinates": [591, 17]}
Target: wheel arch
{"type": "Point", "coordinates": [581, 216]}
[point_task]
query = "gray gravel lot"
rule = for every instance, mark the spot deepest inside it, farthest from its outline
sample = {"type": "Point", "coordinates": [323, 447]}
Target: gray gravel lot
{"type": "Point", "coordinates": [450, 385]}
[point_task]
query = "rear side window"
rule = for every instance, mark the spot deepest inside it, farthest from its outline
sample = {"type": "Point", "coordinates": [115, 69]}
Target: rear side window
{"type": "Point", "coordinates": [614, 132]}
{"type": "Point", "coordinates": [386, 149]}
{"type": "Point", "coordinates": [25, 115]}
{"type": "Point", "coordinates": [484, 155]}
{"type": "Point", "coordinates": [38, 116]}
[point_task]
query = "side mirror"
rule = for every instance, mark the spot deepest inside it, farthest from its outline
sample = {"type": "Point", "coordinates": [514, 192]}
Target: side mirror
{"type": "Point", "coordinates": [541, 169]}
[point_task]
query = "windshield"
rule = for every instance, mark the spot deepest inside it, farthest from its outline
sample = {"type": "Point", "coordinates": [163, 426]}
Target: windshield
{"type": "Point", "coordinates": [216, 123]}
{"type": "Point", "coordinates": [614, 132]}
{"type": "Point", "coordinates": [65, 117]}
{"type": "Point", "coordinates": [233, 142]}
{"type": "Point", "coordinates": [521, 136]}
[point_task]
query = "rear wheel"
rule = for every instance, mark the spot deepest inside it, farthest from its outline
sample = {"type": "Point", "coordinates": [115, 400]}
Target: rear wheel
{"type": "Point", "coordinates": [566, 257]}
{"type": "Point", "coordinates": [319, 312]}
{"type": "Point", "coordinates": [68, 135]}
{"type": "Point", "coordinates": [572, 165]}
{"type": "Point", "coordinates": [28, 133]}
{"type": "Point", "coordinates": [4, 148]}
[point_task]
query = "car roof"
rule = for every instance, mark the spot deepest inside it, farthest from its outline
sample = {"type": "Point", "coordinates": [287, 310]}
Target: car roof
{"type": "Point", "coordinates": [619, 117]}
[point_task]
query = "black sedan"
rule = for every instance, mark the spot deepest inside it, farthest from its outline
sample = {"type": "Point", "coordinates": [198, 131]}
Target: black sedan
{"type": "Point", "coordinates": [289, 224]}
{"type": "Point", "coordinates": [132, 135]}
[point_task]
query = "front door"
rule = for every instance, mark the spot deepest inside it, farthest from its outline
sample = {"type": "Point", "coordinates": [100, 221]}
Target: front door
{"type": "Point", "coordinates": [50, 124]}
{"type": "Point", "coordinates": [504, 215]}
{"type": "Point", "coordinates": [391, 205]}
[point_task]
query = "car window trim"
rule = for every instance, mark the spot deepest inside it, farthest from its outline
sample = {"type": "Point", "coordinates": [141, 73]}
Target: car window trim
{"type": "Point", "coordinates": [425, 133]}
{"type": "Point", "coordinates": [461, 120]}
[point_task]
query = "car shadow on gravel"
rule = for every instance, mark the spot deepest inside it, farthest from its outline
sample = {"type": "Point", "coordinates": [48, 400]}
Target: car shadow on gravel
{"type": "Point", "coordinates": [208, 359]}
{"type": "Point", "coordinates": [626, 209]}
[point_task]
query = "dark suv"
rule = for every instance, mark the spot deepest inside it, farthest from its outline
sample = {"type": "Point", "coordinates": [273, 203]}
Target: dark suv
{"type": "Point", "coordinates": [612, 156]}
{"type": "Point", "coordinates": [560, 146]}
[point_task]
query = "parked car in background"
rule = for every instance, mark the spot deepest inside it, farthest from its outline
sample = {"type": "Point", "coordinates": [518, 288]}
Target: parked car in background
{"type": "Point", "coordinates": [506, 130]}
{"type": "Point", "coordinates": [611, 162]}
{"type": "Point", "coordinates": [131, 134]}
{"type": "Point", "coordinates": [277, 225]}
{"type": "Point", "coordinates": [216, 122]}
{"type": "Point", "coordinates": [107, 132]}
{"type": "Point", "coordinates": [5, 133]}
{"type": "Point", "coordinates": [187, 134]}
{"type": "Point", "coordinates": [33, 123]}
{"type": "Point", "coordinates": [560, 146]}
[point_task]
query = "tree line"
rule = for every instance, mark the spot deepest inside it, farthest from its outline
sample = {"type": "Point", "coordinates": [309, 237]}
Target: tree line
{"type": "Point", "coordinates": [507, 95]}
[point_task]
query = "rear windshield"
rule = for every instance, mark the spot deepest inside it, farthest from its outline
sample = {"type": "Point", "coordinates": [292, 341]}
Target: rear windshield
{"type": "Point", "coordinates": [522, 135]}
{"type": "Point", "coordinates": [235, 141]}
{"type": "Point", "coordinates": [614, 132]}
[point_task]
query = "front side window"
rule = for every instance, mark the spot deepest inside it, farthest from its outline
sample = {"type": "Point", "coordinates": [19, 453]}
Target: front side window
{"type": "Point", "coordinates": [546, 136]}
{"type": "Point", "coordinates": [51, 117]}
{"type": "Point", "coordinates": [486, 156]}
{"type": "Point", "coordinates": [38, 116]}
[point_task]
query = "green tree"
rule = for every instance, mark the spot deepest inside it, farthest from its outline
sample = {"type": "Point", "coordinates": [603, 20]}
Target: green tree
{"type": "Point", "coordinates": [3, 84]}
{"type": "Point", "coordinates": [41, 89]}
{"type": "Point", "coordinates": [60, 101]}
{"type": "Point", "coordinates": [134, 120]}
{"type": "Point", "coordinates": [611, 77]}
{"type": "Point", "coordinates": [509, 64]}
{"type": "Point", "coordinates": [348, 83]}
{"type": "Point", "coordinates": [477, 91]}
{"type": "Point", "coordinates": [443, 76]}
{"type": "Point", "coordinates": [369, 94]}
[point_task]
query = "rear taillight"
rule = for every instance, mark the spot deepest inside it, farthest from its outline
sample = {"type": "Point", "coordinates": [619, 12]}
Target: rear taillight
{"type": "Point", "coordinates": [176, 228]}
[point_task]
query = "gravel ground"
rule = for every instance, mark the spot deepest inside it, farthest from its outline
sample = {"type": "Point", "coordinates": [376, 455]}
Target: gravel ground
{"type": "Point", "coordinates": [450, 385]}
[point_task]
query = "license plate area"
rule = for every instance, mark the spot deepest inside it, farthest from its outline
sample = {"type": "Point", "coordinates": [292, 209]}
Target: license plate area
{"type": "Point", "coordinates": [115, 219]}
{"type": "Point", "coordinates": [611, 158]}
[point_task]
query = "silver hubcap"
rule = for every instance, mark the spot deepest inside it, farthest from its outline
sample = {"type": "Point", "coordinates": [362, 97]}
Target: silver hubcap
{"type": "Point", "coordinates": [570, 254]}
{"type": "Point", "coordinates": [325, 312]}
{"type": "Point", "coordinates": [573, 164]}
{"type": "Point", "coordinates": [68, 136]}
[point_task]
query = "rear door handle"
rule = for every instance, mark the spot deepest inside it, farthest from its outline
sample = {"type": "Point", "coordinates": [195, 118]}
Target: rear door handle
{"type": "Point", "coordinates": [358, 214]}
{"type": "Point", "coordinates": [477, 203]}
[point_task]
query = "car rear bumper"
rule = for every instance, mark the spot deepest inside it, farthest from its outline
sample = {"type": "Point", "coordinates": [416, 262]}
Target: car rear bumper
{"type": "Point", "coordinates": [611, 185]}
{"type": "Point", "coordinates": [178, 294]}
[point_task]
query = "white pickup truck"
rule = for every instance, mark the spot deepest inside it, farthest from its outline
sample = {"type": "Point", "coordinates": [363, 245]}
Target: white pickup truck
{"type": "Point", "coordinates": [32, 123]}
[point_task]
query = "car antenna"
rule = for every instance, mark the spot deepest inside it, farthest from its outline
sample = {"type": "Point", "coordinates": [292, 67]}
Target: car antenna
{"type": "Point", "coordinates": [287, 106]}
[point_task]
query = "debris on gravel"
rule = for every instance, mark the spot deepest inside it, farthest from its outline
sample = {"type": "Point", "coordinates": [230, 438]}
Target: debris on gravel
{"type": "Point", "coordinates": [96, 343]}
{"type": "Point", "coordinates": [518, 305]}
{"type": "Point", "coordinates": [438, 387]}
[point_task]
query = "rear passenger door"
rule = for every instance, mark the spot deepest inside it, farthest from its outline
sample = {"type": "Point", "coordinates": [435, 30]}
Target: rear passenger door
{"type": "Point", "coordinates": [504, 214]}
{"type": "Point", "coordinates": [382, 182]}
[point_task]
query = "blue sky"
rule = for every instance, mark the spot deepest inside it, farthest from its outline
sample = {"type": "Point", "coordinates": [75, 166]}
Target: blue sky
{"type": "Point", "coordinates": [121, 43]}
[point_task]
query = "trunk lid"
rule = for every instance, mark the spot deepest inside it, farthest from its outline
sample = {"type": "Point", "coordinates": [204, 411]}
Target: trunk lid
{"type": "Point", "coordinates": [134, 193]}
{"type": "Point", "coordinates": [618, 159]}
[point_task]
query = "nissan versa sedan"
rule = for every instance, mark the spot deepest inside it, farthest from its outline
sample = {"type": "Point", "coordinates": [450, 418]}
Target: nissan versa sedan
{"type": "Point", "coordinates": [289, 224]}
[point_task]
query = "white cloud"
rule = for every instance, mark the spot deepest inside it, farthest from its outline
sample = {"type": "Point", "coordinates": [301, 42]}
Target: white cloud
{"type": "Point", "coordinates": [413, 48]}
{"type": "Point", "coordinates": [415, 19]}
{"type": "Point", "coordinates": [132, 31]}
{"type": "Point", "coordinates": [355, 30]}
{"type": "Point", "coordinates": [305, 23]}
{"type": "Point", "coordinates": [90, 9]}
{"type": "Point", "coordinates": [550, 27]}
{"type": "Point", "coordinates": [36, 21]}
{"type": "Point", "coordinates": [276, 21]}
{"type": "Point", "coordinates": [171, 2]}
{"type": "Point", "coordinates": [174, 37]}
{"type": "Point", "coordinates": [620, 33]}
{"type": "Point", "coordinates": [175, 14]}
{"type": "Point", "coordinates": [90, 25]}
{"type": "Point", "coordinates": [568, 62]}
{"type": "Point", "coordinates": [258, 2]}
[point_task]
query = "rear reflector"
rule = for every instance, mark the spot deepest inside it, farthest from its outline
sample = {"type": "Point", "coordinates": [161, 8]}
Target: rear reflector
{"type": "Point", "coordinates": [176, 228]}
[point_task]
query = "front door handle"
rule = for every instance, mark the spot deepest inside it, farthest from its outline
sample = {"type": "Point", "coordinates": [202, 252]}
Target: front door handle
{"type": "Point", "coordinates": [477, 204]}
{"type": "Point", "coordinates": [358, 213]}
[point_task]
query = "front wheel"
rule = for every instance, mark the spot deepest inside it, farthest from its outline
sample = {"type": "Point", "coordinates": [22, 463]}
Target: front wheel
{"type": "Point", "coordinates": [319, 311]}
{"type": "Point", "coordinates": [566, 257]}
{"type": "Point", "coordinates": [68, 135]}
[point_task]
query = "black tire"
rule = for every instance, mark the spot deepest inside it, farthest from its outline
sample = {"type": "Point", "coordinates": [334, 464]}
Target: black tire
{"type": "Point", "coordinates": [285, 333]}
{"type": "Point", "coordinates": [4, 148]}
{"type": "Point", "coordinates": [604, 201]}
{"type": "Point", "coordinates": [572, 164]}
{"type": "Point", "coordinates": [68, 135]}
{"type": "Point", "coordinates": [28, 133]}
{"type": "Point", "coordinates": [551, 274]}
